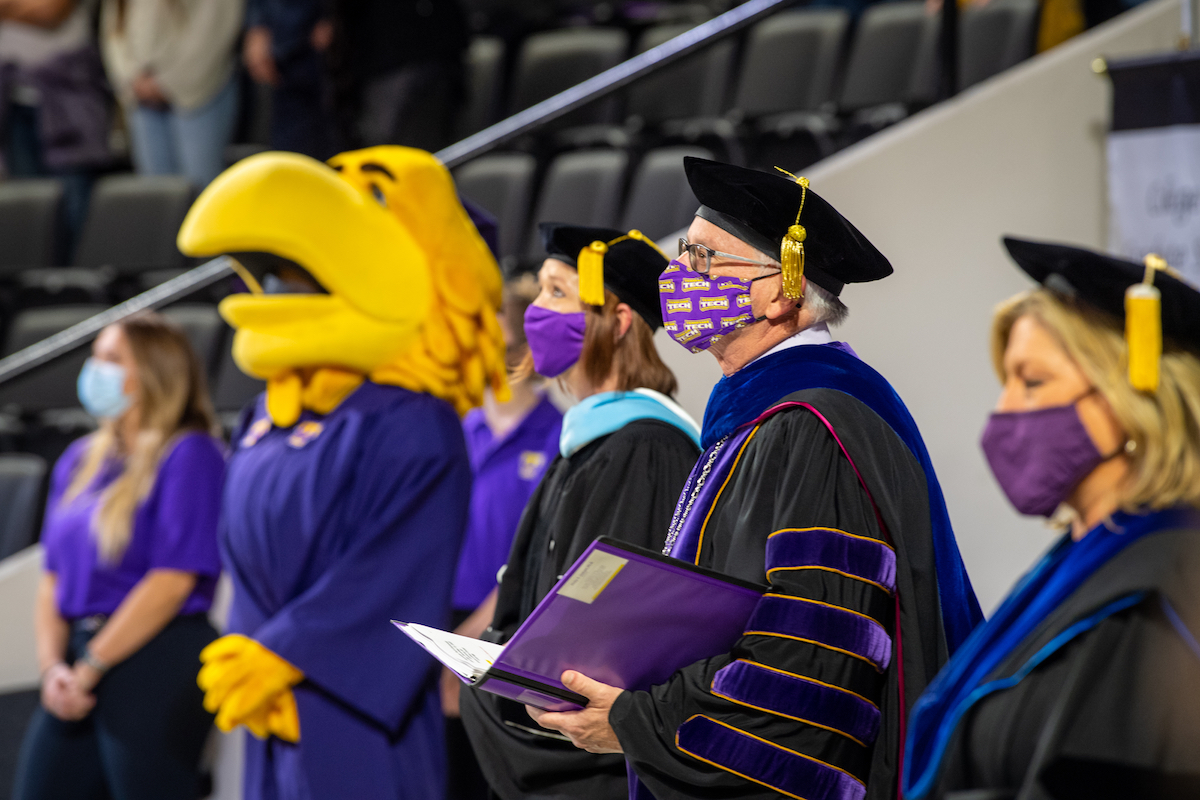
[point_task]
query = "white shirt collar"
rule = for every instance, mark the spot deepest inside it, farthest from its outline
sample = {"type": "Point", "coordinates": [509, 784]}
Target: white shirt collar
{"type": "Point", "coordinates": [817, 334]}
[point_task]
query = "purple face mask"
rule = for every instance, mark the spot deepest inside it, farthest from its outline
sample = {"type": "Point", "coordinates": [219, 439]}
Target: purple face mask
{"type": "Point", "coordinates": [699, 311]}
{"type": "Point", "coordinates": [555, 339]}
{"type": "Point", "coordinates": [1039, 457]}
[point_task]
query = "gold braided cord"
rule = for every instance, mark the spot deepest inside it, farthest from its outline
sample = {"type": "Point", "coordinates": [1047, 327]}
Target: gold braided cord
{"type": "Point", "coordinates": [590, 265]}
{"type": "Point", "coordinates": [791, 249]}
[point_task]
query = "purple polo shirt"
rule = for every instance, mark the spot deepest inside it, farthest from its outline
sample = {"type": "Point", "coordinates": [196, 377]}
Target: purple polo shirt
{"type": "Point", "coordinates": [174, 528]}
{"type": "Point", "coordinates": [506, 471]}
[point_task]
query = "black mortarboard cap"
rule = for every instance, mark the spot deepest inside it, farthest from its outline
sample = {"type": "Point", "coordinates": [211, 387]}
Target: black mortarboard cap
{"type": "Point", "coordinates": [1101, 280]}
{"type": "Point", "coordinates": [759, 208]}
{"type": "Point", "coordinates": [631, 266]}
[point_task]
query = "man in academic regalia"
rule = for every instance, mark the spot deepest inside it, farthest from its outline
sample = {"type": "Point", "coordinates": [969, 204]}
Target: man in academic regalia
{"type": "Point", "coordinates": [814, 480]}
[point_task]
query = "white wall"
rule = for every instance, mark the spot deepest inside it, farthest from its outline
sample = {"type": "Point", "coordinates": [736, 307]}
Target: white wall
{"type": "Point", "coordinates": [1021, 154]}
{"type": "Point", "coordinates": [19, 576]}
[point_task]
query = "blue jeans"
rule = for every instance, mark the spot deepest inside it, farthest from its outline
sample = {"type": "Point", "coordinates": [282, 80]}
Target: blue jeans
{"type": "Point", "coordinates": [191, 143]}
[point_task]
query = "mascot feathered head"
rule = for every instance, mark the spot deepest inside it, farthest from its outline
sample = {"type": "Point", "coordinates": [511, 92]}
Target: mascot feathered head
{"type": "Point", "coordinates": [397, 284]}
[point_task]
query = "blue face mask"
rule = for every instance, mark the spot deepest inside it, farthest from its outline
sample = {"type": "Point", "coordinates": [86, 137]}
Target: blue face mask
{"type": "Point", "coordinates": [101, 388]}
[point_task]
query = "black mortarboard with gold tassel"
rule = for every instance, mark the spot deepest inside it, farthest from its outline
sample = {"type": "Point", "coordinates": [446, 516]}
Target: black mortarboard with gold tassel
{"type": "Point", "coordinates": [783, 217]}
{"type": "Point", "coordinates": [1149, 298]}
{"type": "Point", "coordinates": [628, 263]}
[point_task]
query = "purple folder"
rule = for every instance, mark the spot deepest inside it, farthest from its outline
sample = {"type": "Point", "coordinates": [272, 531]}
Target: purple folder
{"type": "Point", "coordinates": [625, 616]}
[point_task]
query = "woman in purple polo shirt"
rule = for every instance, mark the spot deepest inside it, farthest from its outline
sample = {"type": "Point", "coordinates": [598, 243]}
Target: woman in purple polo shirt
{"type": "Point", "coordinates": [131, 564]}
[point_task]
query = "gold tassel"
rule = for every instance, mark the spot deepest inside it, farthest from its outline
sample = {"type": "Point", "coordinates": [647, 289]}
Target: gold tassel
{"type": "Point", "coordinates": [791, 256]}
{"type": "Point", "coordinates": [791, 249]}
{"type": "Point", "coordinates": [590, 265]}
{"type": "Point", "coordinates": [1143, 328]}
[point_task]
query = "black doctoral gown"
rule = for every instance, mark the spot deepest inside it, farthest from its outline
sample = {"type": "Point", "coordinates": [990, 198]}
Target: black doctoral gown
{"type": "Point", "coordinates": [807, 703]}
{"type": "Point", "coordinates": [1115, 713]}
{"type": "Point", "coordinates": [624, 485]}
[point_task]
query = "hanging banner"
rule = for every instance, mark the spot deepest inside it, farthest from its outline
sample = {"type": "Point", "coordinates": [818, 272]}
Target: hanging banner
{"type": "Point", "coordinates": [1154, 160]}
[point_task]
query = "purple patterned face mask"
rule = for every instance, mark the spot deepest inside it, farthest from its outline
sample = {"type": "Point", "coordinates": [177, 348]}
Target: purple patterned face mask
{"type": "Point", "coordinates": [1040, 456]}
{"type": "Point", "coordinates": [699, 311]}
{"type": "Point", "coordinates": [555, 339]}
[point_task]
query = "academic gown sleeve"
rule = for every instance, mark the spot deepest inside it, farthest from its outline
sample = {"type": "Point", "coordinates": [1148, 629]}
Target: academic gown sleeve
{"type": "Point", "coordinates": [407, 515]}
{"type": "Point", "coordinates": [625, 487]}
{"type": "Point", "coordinates": [794, 707]}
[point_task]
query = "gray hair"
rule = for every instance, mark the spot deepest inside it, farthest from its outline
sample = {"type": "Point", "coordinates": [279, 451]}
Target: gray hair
{"type": "Point", "coordinates": [823, 304]}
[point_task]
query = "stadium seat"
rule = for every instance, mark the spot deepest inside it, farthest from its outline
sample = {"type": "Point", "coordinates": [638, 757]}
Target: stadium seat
{"type": "Point", "coordinates": [132, 222]}
{"type": "Point", "coordinates": [21, 479]}
{"type": "Point", "coordinates": [50, 386]}
{"type": "Point", "coordinates": [790, 122]}
{"type": "Point", "coordinates": [803, 45]}
{"type": "Point", "coordinates": [995, 37]}
{"type": "Point", "coordinates": [204, 329]}
{"type": "Point", "coordinates": [232, 389]}
{"type": "Point", "coordinates": [693, 87]}
{"type": "Point", "coordinates": [992, 38]}
{"type": "Point", "coordinates": [552, 61]}
{"type": "Point", "coordinates": [484, 83]}
{"type": "Point", "coordinates": [30, 216]}
{"type": "Point", "coordinates": [580, 188]}
{"type": "Point", "coordinates": [660, 200]}
{"type": "Point", "coordinates": [884, 58]}
{"type": "Point", "coordinates": [503, 185]}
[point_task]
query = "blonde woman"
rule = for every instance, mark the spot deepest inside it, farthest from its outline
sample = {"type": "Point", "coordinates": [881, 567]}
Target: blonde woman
{"type": "Point", "coordinates": [131, 564]}
{"type": "Point", "coordinates": [1086, 681]}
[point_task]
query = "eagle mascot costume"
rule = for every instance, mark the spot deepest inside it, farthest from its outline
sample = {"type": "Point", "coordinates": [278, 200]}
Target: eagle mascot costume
{"type": "Point", "coordinates": [371, 315]}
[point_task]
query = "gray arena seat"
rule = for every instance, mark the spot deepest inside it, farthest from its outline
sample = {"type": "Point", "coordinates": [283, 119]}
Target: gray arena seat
{"type": "Point", "coordinates": [232, 389]}
{"type": "Point", "coordinates": [992, 38]}
{"type": "Point", "coordinates": [552, 61]}
{"type": "Point", "coordinates": [995, 37]}
{"type": "Point", "coordinates": [503, 185]}
{"type": "Point", "coordinates": [21, 479]}
{"type": "Point", "coordinates": [51, 386]}
{"type": "Point", "coordinates": [883, 55]}
{"type": "Point", "coordinates": [580, 188]}
{"type": "Point", "coordinates": [660, 201]}
{"type": "Point", "coordinates": [132, 223]}
{"type": "Point", "coordinates": [484, 63]}
{"type": "Point", "coordinates": [30, 219]}
{"type": "Point", "coordinates": [803, 45]}
{"type": "Point", "coordinates": [790, 122]}
{"type": "Point", "coordinates": [694, 87]}
{"type": "Point", "coordinates": [204, 328]}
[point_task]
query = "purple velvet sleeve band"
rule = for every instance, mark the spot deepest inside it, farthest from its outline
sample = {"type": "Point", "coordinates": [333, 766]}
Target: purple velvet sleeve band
{"type": "Point", "coordinates": [829, 626]}
{"type": "Point", "coordinates": [754, 759]}
{"type": "Point", "coordinates": [798, 698]}
{"type": "Point", "coordinates": [825, 548]}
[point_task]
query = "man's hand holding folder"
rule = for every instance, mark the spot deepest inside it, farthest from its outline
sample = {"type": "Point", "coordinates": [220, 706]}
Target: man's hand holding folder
{"type": "Point", "coordinates": [588, 728]}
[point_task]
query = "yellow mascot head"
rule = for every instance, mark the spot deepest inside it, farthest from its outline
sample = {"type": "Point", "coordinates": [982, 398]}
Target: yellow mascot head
{"type": "Point", "coordinates": [401, 287]}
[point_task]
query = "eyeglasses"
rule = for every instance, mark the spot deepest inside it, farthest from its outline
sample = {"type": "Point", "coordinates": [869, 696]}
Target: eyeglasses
{"type": "Point", "coordinates": [701, 257]}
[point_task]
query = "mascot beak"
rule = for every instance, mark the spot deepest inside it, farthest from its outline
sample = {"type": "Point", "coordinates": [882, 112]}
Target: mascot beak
{"type": "Point", "coordinates": [376, 275]}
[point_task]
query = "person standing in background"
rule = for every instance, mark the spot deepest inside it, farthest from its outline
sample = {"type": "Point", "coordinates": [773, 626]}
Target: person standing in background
{"type": "Point", "coordinates": [284, 48]}
{"type": "Point", "coordinates": [404, 60]}
{"type": "Point", "coordinates": [510, 444]}
{"type": "Point", "coordinates": [131, 567]}
{"type": "Point", "coordinates": [54, 106]}
{"type": "Point", "coordinates": [171, 63]}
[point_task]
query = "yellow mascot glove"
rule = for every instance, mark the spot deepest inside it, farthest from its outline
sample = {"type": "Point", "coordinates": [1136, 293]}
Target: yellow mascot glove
{"type": "Point", "coordinates": [247, 684]}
